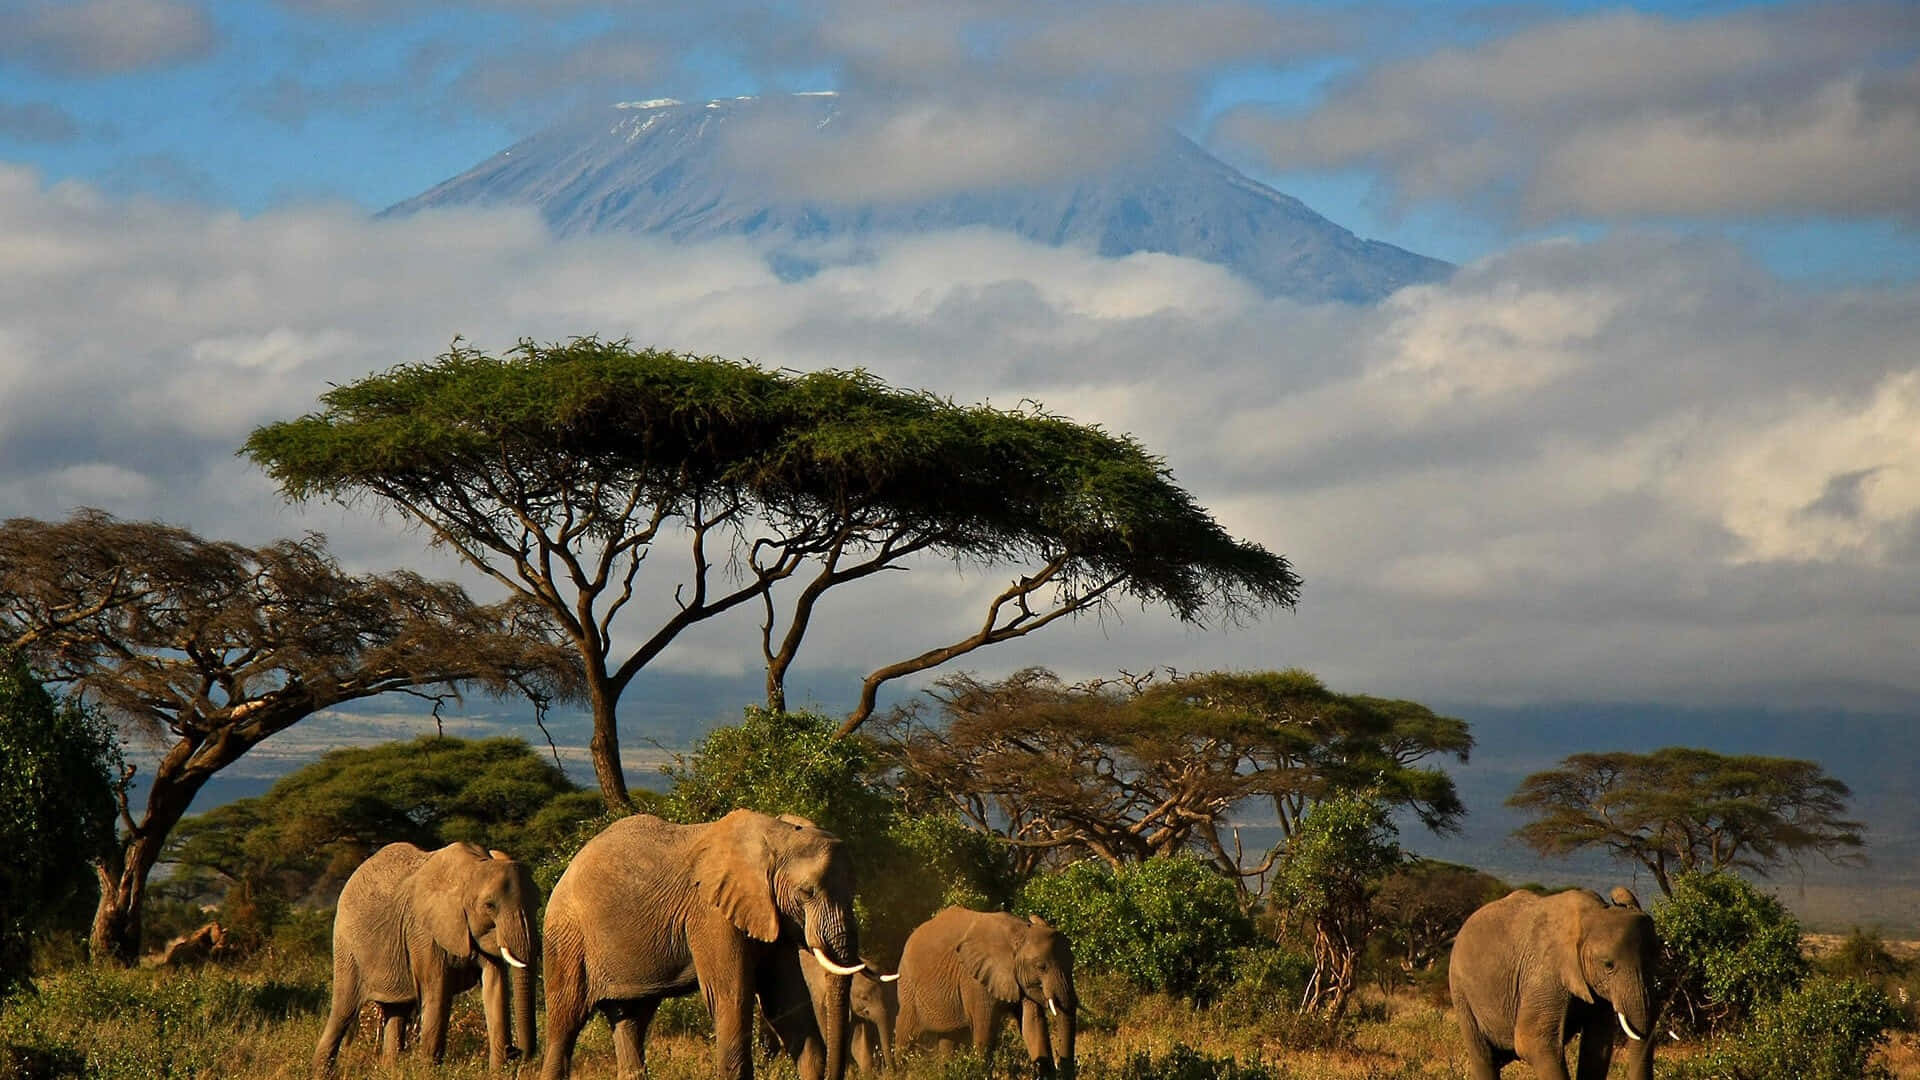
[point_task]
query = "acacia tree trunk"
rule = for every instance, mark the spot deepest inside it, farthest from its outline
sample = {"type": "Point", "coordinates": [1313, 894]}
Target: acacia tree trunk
{"type": "Point", "coordinates": [604, 746]}
{"type": "Point", "coordinates": [123, 872]}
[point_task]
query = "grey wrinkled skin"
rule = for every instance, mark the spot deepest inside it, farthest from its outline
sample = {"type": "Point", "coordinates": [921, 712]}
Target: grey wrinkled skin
{"type": "Point", "coordinates": [1530, 973]}
{"type": "Point", "coordinates": [649, 910]}
{"type": "Point", "coordinates": [413, 928]}
{"type": "Point", "coordinates": [962, 972]}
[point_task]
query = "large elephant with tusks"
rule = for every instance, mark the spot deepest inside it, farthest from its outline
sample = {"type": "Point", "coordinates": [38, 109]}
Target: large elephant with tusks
{"type": "Point", "coordinates": [649, 910]}
{"type": "Point", "coordinates": [414, 928]}
{"type": "Point", "coordinates": [1530, 972]}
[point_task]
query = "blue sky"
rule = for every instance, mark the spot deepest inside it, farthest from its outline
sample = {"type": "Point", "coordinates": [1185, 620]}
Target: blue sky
{"type": "Point", "coordinates": [1657, 441]}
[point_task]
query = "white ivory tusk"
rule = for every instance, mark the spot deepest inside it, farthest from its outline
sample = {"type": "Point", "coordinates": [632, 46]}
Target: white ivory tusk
{"type": "Point", "coordinates": [837, 969]}
{"type": "Point", "coordinates": [507, 954]}
{"type": "Point", "coordinates": [1051, 1011]}
{"type": "Point", "coordinates": [1626, 1027]}
{"type": "Point", "coordinates": [895, 977]}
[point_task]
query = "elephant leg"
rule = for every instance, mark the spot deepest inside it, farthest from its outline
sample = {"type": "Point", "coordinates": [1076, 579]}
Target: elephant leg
{"type": "Point", "coordinates": [339, 1024]}
{"type": "Point", "coordinates": [789, 1014]}
{"type": "Point", "coordinates": [629, 1021]}
{"type": "Point", "coordinates": [1033, 1029]}
{"type": "Point", "coordinates": [567, 1010]}
{"type": "Point", "coordinates": [730, 1002]}
{"type": "Point", "coordinates": [1544, 1052]}
{"type": "Point", "coordinates": [393, 1033]}
{"type": "Point", "coordinates": [947, 1044]}
{"type": "Point", "coordinates": [1480, 1059]}
{"type": "Point", "coordinates": [493, 1002]}
{"type": "Point", "coordinates": [436, 1005]}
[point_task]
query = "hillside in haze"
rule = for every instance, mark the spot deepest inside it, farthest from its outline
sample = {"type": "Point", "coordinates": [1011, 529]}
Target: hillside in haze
{"type": "Point", "coordinates": [688, 172]}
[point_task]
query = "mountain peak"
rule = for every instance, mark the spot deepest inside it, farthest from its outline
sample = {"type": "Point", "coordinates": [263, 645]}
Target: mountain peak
{"type": "Point", "coordinates": [701, 171]}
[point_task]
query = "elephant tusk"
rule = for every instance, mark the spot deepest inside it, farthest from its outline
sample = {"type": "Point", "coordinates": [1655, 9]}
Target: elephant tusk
{"type": "Point", "coordinates": [1051, 1010]}
{"type": "Point", "coordinates": [895, 977]}
{"type": "Point", "coordinates": [507, 954]}
{"type": "Point", "coordinates": [837, 969]}
{"type": "Point", "coordinates": [1626, 1027]}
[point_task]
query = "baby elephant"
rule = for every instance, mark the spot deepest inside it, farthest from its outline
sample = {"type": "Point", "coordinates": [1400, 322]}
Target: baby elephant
{"type": "Point", "coordinates": [415, 928]}
{"type": "Point", "coordinates": [1530, 972]}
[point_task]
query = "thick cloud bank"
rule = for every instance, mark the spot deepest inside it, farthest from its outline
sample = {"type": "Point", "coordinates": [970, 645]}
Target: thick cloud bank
{"type": "Point", "coordinates": [1636, 469]}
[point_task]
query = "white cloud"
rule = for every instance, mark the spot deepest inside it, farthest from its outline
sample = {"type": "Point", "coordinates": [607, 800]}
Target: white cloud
{"type": "Point", "coordinates": [1803, 109]}
{"type": "Point", "coordinates": [1638, 468]}
{"type": "Point", "coordinates": [104, 37]}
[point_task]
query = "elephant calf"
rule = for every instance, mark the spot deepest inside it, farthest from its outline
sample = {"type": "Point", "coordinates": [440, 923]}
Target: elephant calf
{"type": "Point", "coordinates": [964, 971]}
{"type": "Point", "coordinates": [1530, 972]}
{"type": "Point", "coordinates": [414, 928]}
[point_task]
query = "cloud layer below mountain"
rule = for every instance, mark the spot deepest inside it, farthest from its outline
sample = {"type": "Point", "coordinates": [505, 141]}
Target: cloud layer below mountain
{"type": "Point", "coordinates": [1634, 469]}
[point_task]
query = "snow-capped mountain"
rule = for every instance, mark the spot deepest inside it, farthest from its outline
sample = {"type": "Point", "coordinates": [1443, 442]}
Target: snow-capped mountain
{"type": "Point", "coordinates": [666, 167]}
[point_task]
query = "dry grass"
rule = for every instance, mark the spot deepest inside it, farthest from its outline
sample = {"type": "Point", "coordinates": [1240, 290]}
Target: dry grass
{"type": "Point", "coordinates": [259, 1023]}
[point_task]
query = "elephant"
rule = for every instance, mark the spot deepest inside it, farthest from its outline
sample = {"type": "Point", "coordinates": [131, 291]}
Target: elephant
{"type": "Point", "coordinates": [414, 928]}
{"type": "Point", "coordinates": [649, 910]}
{"type": "Point", "coordinates": [1530, 972]}
{"type": "Point", "coordinates": [964, 970]}
{"type": "Point", "coordinates": [873, 1001]}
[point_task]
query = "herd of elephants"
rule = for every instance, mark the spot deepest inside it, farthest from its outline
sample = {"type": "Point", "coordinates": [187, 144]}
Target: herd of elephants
{"type": "Point", "coordinates": [753, 909]}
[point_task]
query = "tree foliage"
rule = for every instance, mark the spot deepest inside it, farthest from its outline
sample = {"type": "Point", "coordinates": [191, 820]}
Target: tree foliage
{"type": "Point", "coordinates": [1681, 810]}
{"type": "Point", "coordinates": [209, 648]}
{"type": "Point", "coordinates": [1130, 770]}
{"type": "Point", "coordinates": [1420, 906]}
{"type": "Point", "coordinates": [559, 468]}
{"type": "Point", "coordinates": [1346, 845]}
{"type": "Point", "coordinates": [1823, 1029]}
{"type": "Point", "coordinates": [56, 807]}
{"type": "Point", "coordinates": [301, 839]}
{"type": "Point", "coordinates": [1728, 946]}
{"type": "Point", "coordinates": [1172, 926]}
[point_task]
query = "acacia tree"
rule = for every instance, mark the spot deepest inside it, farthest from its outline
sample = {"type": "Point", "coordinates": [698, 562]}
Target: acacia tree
{"type": "Point", "coordinates": [1135, 769]}
{"type": "Point", "coordinates": [562, 470]}
{"type": "Point", "coordinates": [209, 648]}
{"type": "Point", "coordinates": [1688, 810]}
{"type": "Point", "coordinates": [1345, 847]}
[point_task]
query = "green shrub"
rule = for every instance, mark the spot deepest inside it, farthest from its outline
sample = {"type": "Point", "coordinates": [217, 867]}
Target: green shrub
{"type": "Point", "coordinates": [1729, 947]}
{"type": "Point", "coordinates": [1167, 925]}
{"type": "Point", "coordinates": [1824, 1029]}
{"type": "Point", "coordinates": [1863, 955]}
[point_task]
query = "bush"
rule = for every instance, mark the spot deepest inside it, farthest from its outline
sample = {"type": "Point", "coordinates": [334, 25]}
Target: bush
{"type": "Point", "coordinates": [1824, 1029]}
{"type": "Point", "coordinates": [1166, 925]}
{"type": "Point", "coordinates": [1729, 947]}
{"type": "Point", "coordinates": [1183, 1062]}
{"type": "Point", "coordinates": [56, 810]}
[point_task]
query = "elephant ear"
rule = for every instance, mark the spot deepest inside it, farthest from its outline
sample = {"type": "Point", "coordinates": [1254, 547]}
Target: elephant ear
{"type": "Point", "coordinates": [438, 893]}
{"type": "Point", "coordinates": [1570, 936]}
{"type": "Point", "coordinates": [986, 953]}
{"type": "Point", "coordinates": [733, 871]}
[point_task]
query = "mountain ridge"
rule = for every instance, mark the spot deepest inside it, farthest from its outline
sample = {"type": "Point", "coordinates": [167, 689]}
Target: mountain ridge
{"type": "Point", "coordinates": [665, 168]}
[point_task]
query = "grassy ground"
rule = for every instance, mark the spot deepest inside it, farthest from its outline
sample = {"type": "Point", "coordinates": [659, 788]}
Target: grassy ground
{"type": "Point", "coordinates": [260, 1021]}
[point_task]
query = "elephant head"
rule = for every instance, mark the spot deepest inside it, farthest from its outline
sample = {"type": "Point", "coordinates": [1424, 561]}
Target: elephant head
{"type": "Point", "coordinates": [1607, 956]}
{"type": "Point", "coordinates": [785, 877]}
{"type": "Point", "coordinates": [480, 904]}
{"type": "Point", "coordinates": [1027, 961]}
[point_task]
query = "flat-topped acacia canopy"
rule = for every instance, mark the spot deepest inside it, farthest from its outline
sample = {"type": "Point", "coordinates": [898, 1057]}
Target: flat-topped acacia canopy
{"type": "Point", "coordinates": [554, 467]}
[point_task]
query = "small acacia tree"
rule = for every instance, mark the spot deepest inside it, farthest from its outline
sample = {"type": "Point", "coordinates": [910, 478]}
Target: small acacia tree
{"type": "Point", "coordinates": [56, 807]}
{"type": "Point", "coordinates": [207, 649]}
{"type": "Point", "coordinates": [1345, 846]}
{"type": "Point", "coordinates": [1136, 769]}
{"type": "Point", "coordinates": [562, 470]}
{"type": "Point", "coordinates": [1682, 810]}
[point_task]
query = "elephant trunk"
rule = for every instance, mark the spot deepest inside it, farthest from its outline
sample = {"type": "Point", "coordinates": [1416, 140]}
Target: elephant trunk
{"type": "Point", "coordinates": [829, 933]}
{"type": "Point", "coordinates": [516, 935]}
{"type": "Point", "coordinates": [1060, 1035]}
{"type": "Point", "coordinates": [835, 1023]}
{"type": "Point", "coordinates": [1634, 1012]}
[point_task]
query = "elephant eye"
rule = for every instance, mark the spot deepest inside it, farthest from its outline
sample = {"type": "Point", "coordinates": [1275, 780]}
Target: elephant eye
{"type": "Point", "coordinates": [1608, 963]}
